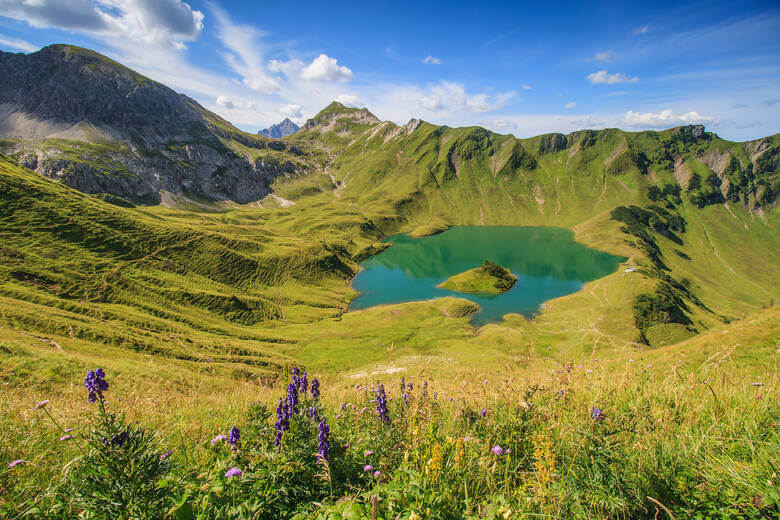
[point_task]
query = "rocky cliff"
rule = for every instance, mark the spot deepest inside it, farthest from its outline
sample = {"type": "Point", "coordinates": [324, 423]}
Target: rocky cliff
{"type": "Point", "coordinates": [76, 116]}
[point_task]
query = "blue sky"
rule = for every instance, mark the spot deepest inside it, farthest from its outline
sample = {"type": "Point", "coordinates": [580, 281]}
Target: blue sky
{"type": "Point", "coordinates": [513, 67]}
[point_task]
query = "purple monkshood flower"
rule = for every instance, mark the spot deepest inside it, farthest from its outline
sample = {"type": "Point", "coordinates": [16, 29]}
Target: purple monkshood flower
{"type": "Point", "coordinates": [292, 399]}
{"type": "Point", "coordinates": [166, 455]}
{"type": "Point", "coordinates": [66, 437]}
{"type": "Point", "coordinates": [315, 388]}
{"type": "Point", "coordinates": [235, 438]}
{"type": "Point", "coordinates": [323, 439]}
{"type": "Point", "coordinates": [596, 412]}
{"type": "Point", "coordinates": [303, 383]}
{"type": "Point", "coordinates": [367, 468]}
{"type": "Point", "coordinates": [40, 405]}
{"type": "Point", "coordinates": [381, 404]}
{"type": "Point", "coordinates": [218, 438]}
{"type": "Point", "coordinates": [282, 422]}
{"type": "Point", "coordinates": [313, 415]}
{"type": "Point", "coordinates": [233, 472]}
{"type": "Point", "coordinates": [497, 450]}
{"type": "Point", "coordinates": [16, 463]}
{"type": "Point", "coordinates": [483, 412]}
{"type": "Point", "coordinates": [96, 384]}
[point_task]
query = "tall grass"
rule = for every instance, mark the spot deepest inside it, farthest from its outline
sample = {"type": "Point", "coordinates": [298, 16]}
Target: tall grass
{"type": "Point", "coordinates": [519, 445]}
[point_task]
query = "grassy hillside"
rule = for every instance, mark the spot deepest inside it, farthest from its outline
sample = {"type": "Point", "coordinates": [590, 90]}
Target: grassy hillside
{"type": "Point", "coordinates": [197, 309]}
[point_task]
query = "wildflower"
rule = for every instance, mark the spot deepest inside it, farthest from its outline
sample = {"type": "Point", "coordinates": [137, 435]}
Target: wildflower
{"type": "Point", "coordinates": [548, 348]}
{"type": "Point", "coordinates": [323, 439]}
{"type": "Point", "coordinates": [435, 462]}
{"type": "Point", "coordinates": [377, 474]}
{"type": "Point", "coordinates": [218, 438]}
{"type": "Point", "coordinates": [282, 421]}
{"type": "Point", "coordinates": [292, 399]}
{"type": "Point", "coordinates": [119, 439]}
{"type": "Point", "coordinates": [367, 468]}
{"type": "Point", "coordinates": [68, 430]}
{"type": "Point", "coordinates": [96, 384]}
{"type": "Point", "coordinates": [485, 382]}
{"type": "Point", "coordinates": [235, 438]}
{"type": "Point", "coordinates": [66, 437]}
{"type": "Point", "coordinates": [381, 404]}
{"type": "Point", "coordinates": [315, 388]}
{"type": "Point", "coordinates": [483, 412]}
{"type": "Point", "coordinates": [403, 384]}
{"type": "Point", "coordinates": [596, 412]}
{"type": "Point", "coordinates": [16, 463]}
{"type": "Point", "coordinates": [406, 398]}
{"type": "Point", "coordinates": [497, 450]}
{"type": "Point", "coordinates": [303, 383]}
{"type": "Point", "coordinates": [233, 472]}
{"type": "Point", "coordinates": [166, 455]}
{"type": "Point", "coordinates": [368, 453]}
{"type": "Point", "coordinates": [630, 360]}
{"type": "Point", "coordinates": [313, 415]}
{"type": "Point", "coordinates": [40, 405]}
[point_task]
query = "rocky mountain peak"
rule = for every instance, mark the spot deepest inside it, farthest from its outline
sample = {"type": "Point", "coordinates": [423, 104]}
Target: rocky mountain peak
{"type": "Point", "coordinates": [280, 130]}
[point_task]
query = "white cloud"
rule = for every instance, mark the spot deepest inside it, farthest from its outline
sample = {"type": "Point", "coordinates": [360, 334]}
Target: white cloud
{"type": "Point", "coordinates": [431, 60]}
{"type": "Point", "coordinates": [17, 43]}
{"type": "Point", "coordinates": [325, 68]}
{"type": "Point", "coordinates": [168, 22]}
{"type": "Point", "coordinates": [349, 100]}
{"type": "Point", "coordinates": [603, 56]}
{"type": "Point", "coordinates": [664, 119]}
{"type": "Point", "coordinates": [291, 110]}
{"type": "Point", "coordinates": [452, 97]}
{"type": "Point", "coordinates": [571, 105]}
{"type": "Point", "coordinates": [234, 104]}
{"type": "Point", "coordinates": [526, 87]}
{"type": "Point", "coordinates": [604, 77]}
{"type": "Point", "coordinates": [225, 101]}
{"type": "Point", "coordinates": [642, 30]}
{"type": "Point", "coordinates": [244, 53]}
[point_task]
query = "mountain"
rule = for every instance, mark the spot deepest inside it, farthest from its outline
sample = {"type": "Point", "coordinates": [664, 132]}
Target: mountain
{"type": "Point", "coordinates": [74, 115]}
{"type": "Point", "coordinates": [280, 130]}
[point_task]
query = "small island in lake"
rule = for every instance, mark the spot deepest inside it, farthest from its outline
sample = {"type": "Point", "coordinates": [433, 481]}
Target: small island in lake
{"type": "Point", "coordinates": [487, 278]}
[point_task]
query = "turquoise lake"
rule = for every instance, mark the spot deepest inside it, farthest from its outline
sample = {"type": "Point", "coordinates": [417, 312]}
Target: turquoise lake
{"type": "Point", "coordinates": [547, 261]}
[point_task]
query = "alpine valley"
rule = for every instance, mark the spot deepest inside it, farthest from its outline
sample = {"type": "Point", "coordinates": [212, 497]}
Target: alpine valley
{"type": "Point", "coordinates": [197, 263]}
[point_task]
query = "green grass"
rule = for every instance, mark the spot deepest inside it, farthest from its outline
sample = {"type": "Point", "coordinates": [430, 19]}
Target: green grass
{"type": "Point", "coordinates": [196, 310]}
{"type": "Point", "coordinates": [495, 280]}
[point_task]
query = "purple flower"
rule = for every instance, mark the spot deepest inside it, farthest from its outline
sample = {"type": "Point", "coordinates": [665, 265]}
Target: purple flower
{"type": "Point", "coordinates": [313, 415]}
{"type": "Point", "coordinates": [235, 438]}
{"type": "Point", "coordinates": [303, 383]}
{"type": "Point", "coordinates": [96, 384]}
{"type": "Point", "coordinates": [483, 412]}
{"type": "Point", "coordinates": [596, 412]}
{"type": "Point", "coordinates": [367, 468]}
{"type": "Point", "coordinates": [368, 453]}
{"type": "Point", "coordinates": [497, 450]}
{"type": "Point", "coordinates": [218, 438]}
{"type": "Point", "coordinates": [68, 430]}
{"type": "Point", "coordinates": [166, 455]}
{"type": "Point", "coordinates": [233, 472]}
{"type": "Point", "coordinates": [282, 422]}
{"type": "Point", "coordinates": [120, 439]}
{"type": "Point", "coordinates": [40, 405]}
{"type": "Point", "coordinates": [381, 404]}
{"type": "Point", "coordinates": [66, 437]}
{"type": "Point", "coordinates": [377, 473]}
{"type": "Point", "coordinates": [323, 439]}
{"type": "Point", "coordinates": [15, 463]}
{"type": "Point", "coordinates": [292, 399]}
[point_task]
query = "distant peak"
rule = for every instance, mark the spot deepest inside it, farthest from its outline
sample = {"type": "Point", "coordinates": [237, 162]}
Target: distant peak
{"type": "Point", "coordinates": [337, 110]}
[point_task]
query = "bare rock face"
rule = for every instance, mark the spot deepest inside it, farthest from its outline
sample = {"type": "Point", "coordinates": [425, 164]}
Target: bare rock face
{"type": "Point", "coordinates": [280, 130]}
{"type": "Point", "coordinates": [76, 116]}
